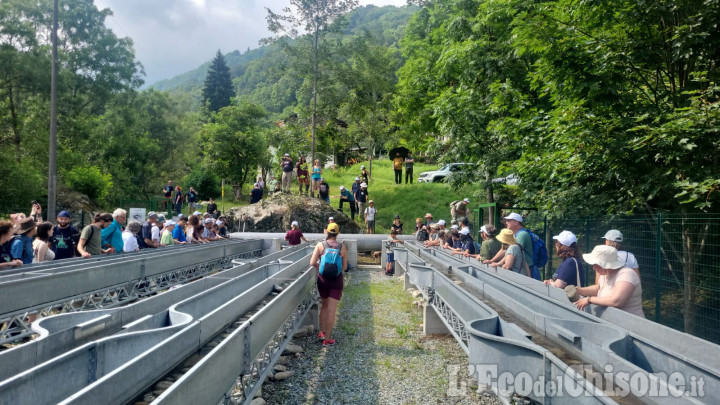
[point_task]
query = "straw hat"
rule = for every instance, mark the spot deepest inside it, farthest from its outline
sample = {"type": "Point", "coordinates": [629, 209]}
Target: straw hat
{"type": "Point", "coordinates": [506, 236]}
{"type": "Point", "coordinates": [605, 257]}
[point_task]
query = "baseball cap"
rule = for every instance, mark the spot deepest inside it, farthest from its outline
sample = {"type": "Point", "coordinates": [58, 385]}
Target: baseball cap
{"type": "Point", "coordinates": [287, 154]}
{"type": "Point", "coordinates": [357, 178]}
{"type": "Point", "coordinates": [169, 222]}
{"type": "Point", "coordinates": [514, 216]}
{"type": "Point", "coordinates": [196, 213]}
{"type": "Point", "coordinates": [441, 222]}
{"type": "Point", "coordinates": [466, 199]}
{"type": "Point", "coordinates": [362, 166]}
{"type": "Point", "coordinates": [454, 227]}
{"type": "Point", "coordinates": [63, 214]}
{"type": "Point", "coordinates": [220, 223]}
{"type": "Point", "coordinates": [152, 214]}
{"type": "Point", "coordinates": [342, 187]}
{"type": "Point", "coordinates": [209, 220]}
{"type": "Point", "coordinates": [614, 235]}
{"type": "Point", "coordinates": [331, 219]}
{"type": "Point", "coordinates": [333, 228]}
{"type": "Point", "coordinates": [465, 231]}
{"type": "Point", "coordinates": [397, 216]}
{"type": "Point", "coordinates": [371, 202]}
{"type": "Point", "coordinates": [295, 223]}
{"type": "Point", "coordinates": [566, 238]}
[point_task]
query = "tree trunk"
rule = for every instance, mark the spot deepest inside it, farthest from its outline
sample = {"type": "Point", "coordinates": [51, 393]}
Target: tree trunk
{"type": "Point", "coordinates": [237, 191]}
{"type": "Point", "coordinates": [693, 245]}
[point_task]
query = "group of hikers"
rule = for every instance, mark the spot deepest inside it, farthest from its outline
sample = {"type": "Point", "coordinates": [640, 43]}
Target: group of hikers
{"type": "Point", "coordinates": [29, 239]}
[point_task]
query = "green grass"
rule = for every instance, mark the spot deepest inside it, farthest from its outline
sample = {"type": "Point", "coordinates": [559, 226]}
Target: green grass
{"type": "Point", "coordinates": [408, 201]}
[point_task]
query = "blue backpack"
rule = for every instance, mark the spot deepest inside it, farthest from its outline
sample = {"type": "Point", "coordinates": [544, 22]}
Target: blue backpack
{"type": "Point", "coordinates": [331, 262]}
{"type": "Point", "coordinates": [540, 255]}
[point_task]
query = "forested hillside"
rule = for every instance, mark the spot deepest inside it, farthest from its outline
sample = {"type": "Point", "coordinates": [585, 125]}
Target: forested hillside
{"type": "Point", "coordinates": [597, 107]}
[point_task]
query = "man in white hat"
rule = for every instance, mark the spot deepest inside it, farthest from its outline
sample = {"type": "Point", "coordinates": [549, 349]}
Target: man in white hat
{"type": "Point", "coordinates": [458, 208]}
{"type": "Point", "coordinates": [347, 197]}
{"type": "Point", "coordinates": [370, 212]}
{"type": "Point", "coordinates": [287, 167]}
{"type": "Point", "coordinates": [361, 197]}
{"type": "Point", "coordinates": [409, 163]}
{"type": "Point", "coordinates": [614, 238]}
{"type": "Point", "coordinates": [514, 222]}
{"type": "Point", "coordinates": [167, 234]}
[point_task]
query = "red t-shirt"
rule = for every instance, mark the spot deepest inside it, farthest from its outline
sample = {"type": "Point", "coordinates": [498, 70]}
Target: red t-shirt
{"type": "Point", "coordinates": [293, 237]}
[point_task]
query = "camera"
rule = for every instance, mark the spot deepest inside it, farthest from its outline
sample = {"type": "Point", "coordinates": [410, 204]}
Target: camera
{"type": "Point", "coordinates": [33, 202]}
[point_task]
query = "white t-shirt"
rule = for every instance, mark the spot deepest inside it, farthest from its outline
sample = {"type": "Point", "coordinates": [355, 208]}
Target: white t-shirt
{"type": "Point", "coordinates": [129, 242]}
{"type": "Point", "coordinates": [370, 213]}
{"type": "Point", "coordinates": [629, 258]}
{"type": "Point", "coordinates": [155, 233]}
{"type": "Point", "coordinates": [633, 304]}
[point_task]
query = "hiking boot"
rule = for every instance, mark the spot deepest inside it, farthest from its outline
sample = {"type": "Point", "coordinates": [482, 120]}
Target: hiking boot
{"type": "Point", "coordinates": [328, 342]}
{"type": "Point", "coordinates": [321, 335]}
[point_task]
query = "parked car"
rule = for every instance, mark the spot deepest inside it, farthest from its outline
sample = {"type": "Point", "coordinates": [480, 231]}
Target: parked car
{"type": "Point", "coordinates": [441, 174]}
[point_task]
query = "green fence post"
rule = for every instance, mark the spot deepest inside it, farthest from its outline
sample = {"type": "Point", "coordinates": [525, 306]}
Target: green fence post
{"type": "Point", "coordinates": [587, 247]}
{"type": "Point", "coordinates": [658, 267]}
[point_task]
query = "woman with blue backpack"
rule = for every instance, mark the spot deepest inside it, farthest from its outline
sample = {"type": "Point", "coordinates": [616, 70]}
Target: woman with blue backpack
{"type": "Point", "coordinates": [330, 259]}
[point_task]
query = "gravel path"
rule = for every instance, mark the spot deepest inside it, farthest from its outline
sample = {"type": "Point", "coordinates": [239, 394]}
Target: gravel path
{"type": "Point", "coordinates": [381, 356]}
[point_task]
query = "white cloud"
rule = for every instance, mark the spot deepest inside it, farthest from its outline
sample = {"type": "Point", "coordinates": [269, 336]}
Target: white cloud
{"type": "Point", "coordinates": [174, 36]}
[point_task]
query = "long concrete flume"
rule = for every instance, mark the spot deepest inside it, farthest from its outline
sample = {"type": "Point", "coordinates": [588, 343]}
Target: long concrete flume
{"type": "Point", "coordinates": [365, 242]}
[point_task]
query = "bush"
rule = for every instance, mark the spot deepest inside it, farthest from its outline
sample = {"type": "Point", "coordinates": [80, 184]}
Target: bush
{"type": "Point", "coordinates": [89, 181]}
{"type": "Point", "coordinates": [205, 182]}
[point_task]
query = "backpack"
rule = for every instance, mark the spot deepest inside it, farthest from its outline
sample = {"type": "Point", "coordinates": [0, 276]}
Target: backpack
{"type": "Point", "coordinates": [540, 255]}
{"type": "Point", "coordinates": [331, 262]}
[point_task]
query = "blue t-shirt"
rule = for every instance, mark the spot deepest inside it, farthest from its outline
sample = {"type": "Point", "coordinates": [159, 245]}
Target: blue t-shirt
{"type": "Point", "coordinates": [469, 245]}
{"type": "Point", "coordinates": [21, 248]}
{"type": "Point", "coordinates": [64, 241]}
{"type": "Point", "coordinates": [112, 235]}
{"type": "Point", "coordinates": [191, 195]}
{"type": "Point", "coordinates": [179, 234]}
{"type": "Point", "coordinates": [567, 272]}
{"type": "Point", "coordinates": [256, 194]}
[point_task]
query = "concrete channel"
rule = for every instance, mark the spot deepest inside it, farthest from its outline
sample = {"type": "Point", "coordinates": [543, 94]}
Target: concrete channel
{"type": "Point", "coordinates": [463, 296]}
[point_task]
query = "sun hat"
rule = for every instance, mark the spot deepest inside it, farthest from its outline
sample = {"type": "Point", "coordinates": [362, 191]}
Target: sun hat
{"type": "Point", "coordinates": [333, 228]}
{"type": "Point", "coordinates": [24, 226]}
{"type": "Point", "coordinates": [604, 256]}
{"type": "Point", "coordinates": [515, 216]}
{"type": "Point", "coordinates": [465, 231]}
{"type": "Point", "coordinates": [161, 218]}
{"type": "Point", "coordinates": [294, 223]}
{"type": "Point", "coordinates": [613, 235]}
{"type": "Point", "coordinates": [506, 236]}
{"type": "Point", "coordinates": [566, 238]}
{"type": "Point", "coordinates": [63, 214]}
{"type": "Point", "coordinates": [441, 222]}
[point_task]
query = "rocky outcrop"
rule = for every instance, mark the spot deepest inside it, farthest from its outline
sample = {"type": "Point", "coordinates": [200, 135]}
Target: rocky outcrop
{"type": "Point", "coordinates": [276, 213]}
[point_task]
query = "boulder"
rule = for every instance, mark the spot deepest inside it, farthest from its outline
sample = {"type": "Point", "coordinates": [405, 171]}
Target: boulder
{"type": "Point", "coordinates": [275, 214]}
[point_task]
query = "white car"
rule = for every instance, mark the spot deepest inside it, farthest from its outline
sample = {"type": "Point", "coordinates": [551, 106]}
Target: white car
{"type": "Point", "coordinates": [441, 174]}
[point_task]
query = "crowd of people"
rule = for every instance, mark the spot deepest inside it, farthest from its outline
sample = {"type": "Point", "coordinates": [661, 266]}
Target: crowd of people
{"type": "Point", "coordinates": [512, 248]}
{"type": "Point", "coordinates": [29, 239]}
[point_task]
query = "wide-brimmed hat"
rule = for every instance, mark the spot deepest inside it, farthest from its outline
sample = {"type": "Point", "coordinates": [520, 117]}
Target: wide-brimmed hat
{"type": "Point", "coordinates": [333, 228]}
{"type": "Point", "coordinates": [506, 236]}
{"type": "Point", "coordinates": [24, 226]}
{"type": "Point", "coordinates": [604, 256]}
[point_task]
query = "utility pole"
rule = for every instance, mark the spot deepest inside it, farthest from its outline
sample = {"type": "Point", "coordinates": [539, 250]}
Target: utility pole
{"type": "Point", "coordinates": [52, 164]}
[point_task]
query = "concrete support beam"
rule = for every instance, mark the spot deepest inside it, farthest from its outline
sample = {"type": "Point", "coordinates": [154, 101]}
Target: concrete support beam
{"type": "Point", "coordinates": [432, 323]}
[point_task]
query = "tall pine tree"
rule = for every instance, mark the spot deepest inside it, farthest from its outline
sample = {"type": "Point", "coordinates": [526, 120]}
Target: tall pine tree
{"type": "Point", "coordinates": [218, 87]}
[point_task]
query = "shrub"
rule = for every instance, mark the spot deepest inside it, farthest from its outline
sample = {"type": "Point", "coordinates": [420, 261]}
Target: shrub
{"type": "Point", "coordinates": [205, 182]}
{"type": "Point", "coordinates": [89, 181]}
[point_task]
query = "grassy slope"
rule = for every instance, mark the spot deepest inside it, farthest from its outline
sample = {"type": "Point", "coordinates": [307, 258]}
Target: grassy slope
{"type": "Point", "coordinates": [408, 201]}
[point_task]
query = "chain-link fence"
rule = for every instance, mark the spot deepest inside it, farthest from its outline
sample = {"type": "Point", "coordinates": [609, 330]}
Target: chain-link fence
{"type": "Point", "coordinates": [678, 256]}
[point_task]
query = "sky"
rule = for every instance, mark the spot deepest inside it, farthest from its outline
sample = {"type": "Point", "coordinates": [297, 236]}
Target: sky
{"type": "Point", "coordinates": [174, 36]}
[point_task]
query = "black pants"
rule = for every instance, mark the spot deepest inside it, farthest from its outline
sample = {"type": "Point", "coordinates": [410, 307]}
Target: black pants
{"type": "Point", "coordinates": [398, 176]}
{"type": "Point", "coordinates": [353, 207]}
{"type": "Point", "coordinates": [408, 173]}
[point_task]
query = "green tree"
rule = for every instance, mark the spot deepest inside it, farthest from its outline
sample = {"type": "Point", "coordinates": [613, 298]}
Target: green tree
{"type": "Point", "coordinates": [317, 18]}
{"type": "Point", "coordinates": [218, 89]}
{"type": "Point", "coordinates": [233, 145]}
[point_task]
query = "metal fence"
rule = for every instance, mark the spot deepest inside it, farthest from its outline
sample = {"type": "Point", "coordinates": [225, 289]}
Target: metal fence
{"type": "Point", "coordinates": [678, 255]}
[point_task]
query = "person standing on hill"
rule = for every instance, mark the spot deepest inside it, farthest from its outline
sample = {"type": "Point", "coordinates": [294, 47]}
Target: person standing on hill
{"type": "Point", "coordinates": [316, 179]}
{"type": "Point", "coordinates": [397, 167]}
{"type": "Point", "coordinates": [256, 194]}
{"type": "Point", "coordinates": [212, 208]}
{"type": "Point", "coordinates": [167, 193]}
{"type": "Point", "coordinates": [301, 170]}
{"type": "Point", "coordinates": [324, 190]}
{"type": "Point", "coordinates": [347, 197]}
{"type": "Point", "coordinates": [364, 175]}
{"type": "Point", "coordinates": [178, 200]}
{"type": "Point", "coordinates": [370, 212]}
{"type": "Point", "coordinates": [191, 197]}
{"type": "Point", "coordinates": [287, 168]}
{"type": "Point", "coordinates": [409, 163]}
{"type": "Point", "coordinates": [361, 197]}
